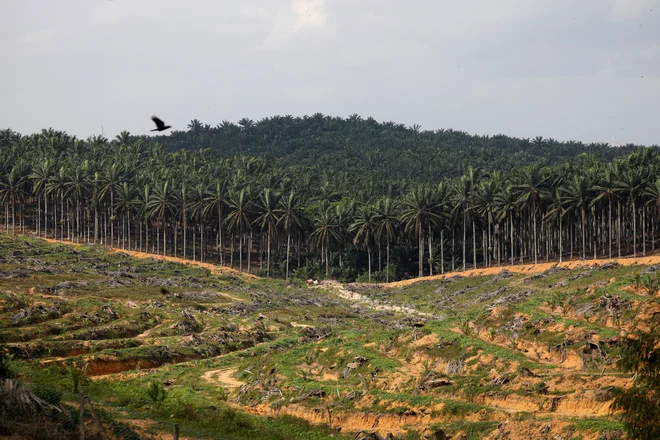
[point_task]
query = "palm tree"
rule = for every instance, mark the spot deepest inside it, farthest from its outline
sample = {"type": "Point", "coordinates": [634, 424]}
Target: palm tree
{"type": "Point", "coordinates": [607, 189]}
{"type": "Point", "coordinates": [344, 215]}
{"type": "Point", "coordinates": [419, 211]}
{"type": "Point", "coordinates": [291, 220]}
{"type": "Point", "coordinates": [462, 195]}
{"type": "Point", "coordinates": [238, 218]}
{"type": "Point", "coordinates": [162, 205]}
{"type": "Point", "coordinates": [41, 174]}
{"type": "Point", "coordinates": [484, 205]}
{"type": "Point", "coordinates": [77, 188]}
{"type": "Point", "coordinates": [531, 190]}
{"type": "Point", "coordinates": [267, 207]}
{"type": "Point", "coordinates": [326, 230]}
{"type": "Point", "coordinates": [577, 197]}
{"type": "Point", "coordinates": [59, 184]}
{"type": "Point", "coordinates": [198, 208]}
{"type": "Point", "coordinates": [387, 220]}
{"type": "Point", "coordinates": [507, 205]}
{"type": "Point", "coordinates": [111, 178]}
{"type": "Point", "coordinates": [11, 190]}
{"type": "Point", "coordinates": [142, 205]}
{"type": "Point", "coordinates": [364, 228]}
{"type": "Point", "coordinates": [215, 202]}
{"type": "Point", "coordinates": [632, 184]}
{"type": "Point", "coordinates": [555, 213]}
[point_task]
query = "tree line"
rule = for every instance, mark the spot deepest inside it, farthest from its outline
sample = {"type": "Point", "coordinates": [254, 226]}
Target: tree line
{"type": "Point", "coordinates": [281, 218]}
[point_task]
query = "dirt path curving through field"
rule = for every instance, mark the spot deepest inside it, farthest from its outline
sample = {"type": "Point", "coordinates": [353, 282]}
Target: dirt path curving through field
{"type": "Point", "coordinates": [215, 269]}
{"type": "Point", "coordinates": [527, 268]}
{"type": "Point", "coordinates": [223, 377]}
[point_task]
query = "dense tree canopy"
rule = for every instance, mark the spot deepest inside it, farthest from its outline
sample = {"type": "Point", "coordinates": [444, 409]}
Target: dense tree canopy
{"type": "Point", "coordinates": [344, 198]}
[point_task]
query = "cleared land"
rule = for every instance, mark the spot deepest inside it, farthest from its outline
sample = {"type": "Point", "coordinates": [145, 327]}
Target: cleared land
{"type": "Point", "coordinates": [498, 354]}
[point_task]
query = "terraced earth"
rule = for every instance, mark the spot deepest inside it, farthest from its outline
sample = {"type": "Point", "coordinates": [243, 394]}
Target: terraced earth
{"type": "Point", "coordinates": [152, 343]}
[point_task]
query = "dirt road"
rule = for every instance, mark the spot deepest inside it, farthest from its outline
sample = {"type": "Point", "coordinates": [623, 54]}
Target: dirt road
{"type": "Point", "coordinates": [529, 268]}
{"type": "Point", "coordinates": [215, 269]}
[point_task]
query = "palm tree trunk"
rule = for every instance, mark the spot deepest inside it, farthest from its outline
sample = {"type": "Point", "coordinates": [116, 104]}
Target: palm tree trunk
{"type": "Point", "coordinates": [584, 246]}
{"type": "Point", "coordinates": [618, 227]}
{"type": "Point", "coordinates": [13, 212]}
{"type": "Point", "coordinates": [430, 251]}
{"type": "Point", "coordinates": [643, 231]}
{"type": "Point", "coordinates": [240, 251]}
{"type": "Point", "coordinates": [327, 264]}
{"type": "Point", "coordinates": [560, 234]}
{"type": "Point", "coordinates": [165, 236]}
{"type": "Point", "coordinates": [268, 256]}
{"type": "Point", "coordinates": [369, 255]}
{"type": "Point", "coordinates": [474, 245]}
{"type": "Point", "coordinates": [387, 267]}
{"type": "Point", "coordinates": [38, 216]}
{"type": "Point", "coordinates": [442, 251]}
{"type": "Point", "coordinates": [249, 249]}
{"type": "Point", "coordinates": [535, 236]}
{"type": "Point", "coordinates": [288, 249]}
{"type": "Point", "coordinates": [231, 257]}
{"type": "Point", "coordinates": [45, 214]}
{"type": "Point", "coordinates": [128, 220]}
{"type": "Point", "coordinates": [634, 229]}
{"type": "Point", "coordinates": [453, 248]}
{"type": "Point", "coordinates": [610, 228]}
{"type": "Point", "coordinates": [512, 244]}
{"type": "Point", "coordinates": [489, 241]}
{"type": "Point", "coordinates": [464, 236]}
{"type": "Point", "coordinates": [521, 234]}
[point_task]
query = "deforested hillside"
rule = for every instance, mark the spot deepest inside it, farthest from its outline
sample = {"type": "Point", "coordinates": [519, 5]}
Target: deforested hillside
{"type": "Point", "coordinates": [541, 354]}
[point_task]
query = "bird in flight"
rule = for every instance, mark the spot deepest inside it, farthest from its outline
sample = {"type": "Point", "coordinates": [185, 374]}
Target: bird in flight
{"type": "Point", "coordinates": [160, 125]}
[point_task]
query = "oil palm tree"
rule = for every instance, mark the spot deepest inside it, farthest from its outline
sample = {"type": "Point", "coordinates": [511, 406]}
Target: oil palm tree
{"type": "Point", "coordinates": [215, 202]}
{"type": "Point", "coordinates": [42, 172]}
{"type": "Point", "coordinates": [291, 220]}
{"type": "Point", "coordinates": [326, 230]}
{"type": "Point", "coordinates": [267, 208]}
{"type": "Point", "coordinates": [238, 219]}
{"type": "Point", "coordinates": [387, 221]}
{"type": "Point", "coordinates": [631, 184]}
{"type": "Point", "coordinates": [162, 205]}
{"type": "Point", "coordinates": [577, 196]}
{"type": "Point", "coordinates": [531, 189]}
{"type": "Point", "coordinates": [364, 228]}
{"type": "Point", "coordinates": [11, 190]}
{"type": "Point", "coordinates": [420, 211]}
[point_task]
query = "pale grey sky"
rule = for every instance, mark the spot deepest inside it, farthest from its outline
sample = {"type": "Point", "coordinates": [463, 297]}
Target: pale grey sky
{"type": "Point", "coordinates": [569, 69]}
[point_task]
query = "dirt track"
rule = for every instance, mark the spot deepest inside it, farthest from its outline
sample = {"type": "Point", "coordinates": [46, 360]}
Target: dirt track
{"type": "Point", "coordinates": [529, 268]}
{"type": "Point", "coordinates": [520, 268]}
{"type": "Point", "coordinates": [215, 269]}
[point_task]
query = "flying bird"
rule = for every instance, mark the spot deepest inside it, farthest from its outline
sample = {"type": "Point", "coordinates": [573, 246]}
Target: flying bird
{"type": "Point", "coordinates": [160, 125]}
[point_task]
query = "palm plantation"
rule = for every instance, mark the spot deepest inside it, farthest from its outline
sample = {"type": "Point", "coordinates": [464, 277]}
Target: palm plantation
{"type": "Point", "coordinates": [409, 215]}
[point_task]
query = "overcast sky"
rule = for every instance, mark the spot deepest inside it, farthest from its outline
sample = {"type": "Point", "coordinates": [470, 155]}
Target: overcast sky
{"type": "Point", "coordinates": [569, 69]}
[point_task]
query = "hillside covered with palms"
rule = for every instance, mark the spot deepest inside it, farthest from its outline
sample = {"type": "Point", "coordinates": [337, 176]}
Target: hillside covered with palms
{"type": "Point", "coordinates": [330, 197]}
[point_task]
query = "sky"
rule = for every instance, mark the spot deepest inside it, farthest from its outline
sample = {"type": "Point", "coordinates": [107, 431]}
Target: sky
{"type": "Point", "coordinates": [586, 70]}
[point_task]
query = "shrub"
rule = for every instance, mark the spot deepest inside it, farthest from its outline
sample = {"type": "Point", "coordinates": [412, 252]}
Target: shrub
{"type": "Point", "coordinates": [156, 392]}
{"type": "Point", "coordinates": [6, 371]}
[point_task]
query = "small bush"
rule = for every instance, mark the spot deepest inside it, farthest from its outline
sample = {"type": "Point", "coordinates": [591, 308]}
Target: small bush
{"type": "Point", "coordinates": [156, 392]}
{"type": "Point", "coordinates": [77, 377]}
{"type": "Point", "coordinates": [6, 370]}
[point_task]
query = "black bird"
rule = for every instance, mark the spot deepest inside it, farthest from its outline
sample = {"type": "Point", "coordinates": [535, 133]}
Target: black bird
{"type": "Point", "coordinates": [160, 125]}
